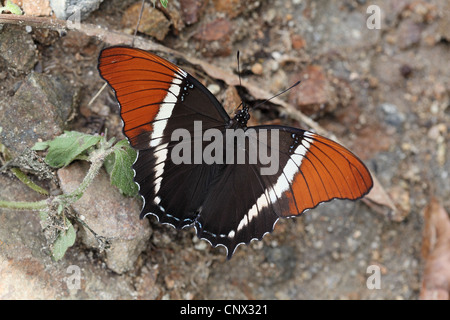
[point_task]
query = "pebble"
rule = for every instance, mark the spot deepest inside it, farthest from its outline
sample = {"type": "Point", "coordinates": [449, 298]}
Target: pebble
{"type": "Point", "coordinates": [298, 42]}
{"type": "Point", "coordinates": [214, 88]}
{"type": "Point", "coordinates": [109, 214]}
{"type": "Point", "coordinates": [315, 95]}
{"type": "Point", "coordinates": [153, 22]}
{"type": "Point", "coordinates": [214, 38]}
{"type": "Point", "coordinates": [35, 7]}
{"type": "Point", "coordinates": [257, 69]}
{"type": "Point", "coordinates": [392, 115]}
{"type": "Point", "coordinates": [65, 9]}
{"type": "Point", "coordinates": [191, 10]}
{"type": "Point", "coordinates": [408, 34]}
{"type": "Point", "coordinates": [357, 234]}
{"type": "Point", "coordinates": [13, 40]}
{"type": "Point", "coordinates": [200, 245]}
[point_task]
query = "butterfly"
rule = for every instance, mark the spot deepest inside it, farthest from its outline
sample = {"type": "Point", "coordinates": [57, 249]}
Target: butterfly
{"type": "Point", "coordinates": [230, 199]}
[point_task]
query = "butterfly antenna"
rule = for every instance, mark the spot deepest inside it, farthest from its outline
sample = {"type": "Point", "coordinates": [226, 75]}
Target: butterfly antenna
{"type": "Point", "coordinates": [239, 69]}
{"type": "Point", "coordinates": [138, 22]}
{"type": "Point", "coordinates": [278, 94]}
{"type": "Point", "coordinates": [240, 83]}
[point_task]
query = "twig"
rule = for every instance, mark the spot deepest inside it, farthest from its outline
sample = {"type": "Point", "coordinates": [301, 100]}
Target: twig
{"type": "Point", "coordinates": [97, 94]}
{"type": "Point", "coordinates": [23, 205]}
{"type": "Point", "coordinates": [103, 242]}
{"type": "Point", "coordinates": [17, 172]}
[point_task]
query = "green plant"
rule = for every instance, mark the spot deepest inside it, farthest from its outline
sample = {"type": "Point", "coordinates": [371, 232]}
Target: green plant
{"type": "Point", "coordinates": [61, 151]}
{"type": "Point", "coordinates": [11, 7]}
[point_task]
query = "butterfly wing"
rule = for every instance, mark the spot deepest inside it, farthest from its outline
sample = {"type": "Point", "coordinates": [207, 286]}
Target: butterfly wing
{"type": "Point", "coordinates": [156, 98]}
{"type": "Point", "coordinates": [310, 169]}
{"type": "Point", "coordinates": [150, 90]}
{"type": "Point", "coordinates": [317, 170]}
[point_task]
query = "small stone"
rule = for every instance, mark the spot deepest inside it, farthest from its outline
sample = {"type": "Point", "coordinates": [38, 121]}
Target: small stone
{"type": "Point", "coordinates": [353, 76]}
{"type": "Point", "coordinates": [357, 234]}
{"type": "Point", "coordinates": [257, 69]}
{"type": "Point", "coordinates": [35, 7]}
{"type": "Point", "coordinates": [444, 22]}
{"type": "Point", "coordinates": [298, 42]}
{"type": "Point", "coordinates": [375, 255]}
{"type": "Point", "coordinates": [318, 244]}
{"type": "Point", "coordinates": [406, 147]}
{"type": "Point", "coordinates": [213, 31]}
{"type": "Point", "coordinates": [214, 38]}
{"type": "Point", "coordinates": [270, 15]}
{"type": "Point", "coordinates": [73, 9]}
{"type": "Point", "coordinates": [408, 34]}
{"type": "Point", "coordinates": [373, 82]}
{"type": "Point", "coordinates": [401, 199]}
{"type": "Point", "coordinates": [38, 110]}
{"type": "Point", "coordinates": [201, 245]}
{"type": "Point", "coordinates": [406, 71]}
{"type": "Point", "coordinates": [145, 283]}
{"type": "Point", "coordinates": [173, 12]}
{"type": "Point", "coordinates": [315, 94]}
{"type": "Point", "coordinates": [422, 11]}
{"type": "Point", "coordinates": [335, 255]}
{"type": "Point", "coordinates": [214, 88]}
{"type": "Point", "coordinates": [191, 10]}
{"type": "Point", "coordinates": [109, 214]}
{"type": "Point", "coordinates": [153, 21]}
{"type": "Point", "coordinates": [392, 115]}
{"type": "Point", "coordinates": [234, 8]}
{"type": "Point", "coordinates": [437, 131]}
{"type": "Point", "coordinates": [14, 40]}
{"type": "Point", "coordinates": [231, 8]}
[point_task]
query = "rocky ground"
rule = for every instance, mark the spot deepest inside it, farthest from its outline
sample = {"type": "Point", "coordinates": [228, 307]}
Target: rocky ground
{"type": "Point", "coordinates": [384, 92]}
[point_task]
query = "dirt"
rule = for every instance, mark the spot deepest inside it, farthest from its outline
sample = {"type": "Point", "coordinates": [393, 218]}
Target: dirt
{"type": "Point", "coordinates": [385, 93]}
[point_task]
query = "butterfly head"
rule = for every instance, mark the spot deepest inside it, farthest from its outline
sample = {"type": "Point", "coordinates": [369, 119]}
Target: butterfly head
{"type": "Point", "coordinates": [240, 119]}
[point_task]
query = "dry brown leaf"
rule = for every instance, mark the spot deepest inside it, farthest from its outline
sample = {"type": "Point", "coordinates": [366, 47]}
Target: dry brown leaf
{"type": "Point", "coordinates": [381, 202]}
{"type": "Point", "coordinates": [436, 252]}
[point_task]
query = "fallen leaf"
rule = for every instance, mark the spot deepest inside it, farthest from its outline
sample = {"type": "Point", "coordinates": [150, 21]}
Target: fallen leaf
{"type": "Point", "coordinates": [436, 252]}
{"type": "Point", "coordinates": [379, 201]}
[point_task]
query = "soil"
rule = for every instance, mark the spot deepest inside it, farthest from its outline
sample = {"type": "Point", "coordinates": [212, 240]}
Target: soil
{"type": "Point", "coordinates": [385, 93]}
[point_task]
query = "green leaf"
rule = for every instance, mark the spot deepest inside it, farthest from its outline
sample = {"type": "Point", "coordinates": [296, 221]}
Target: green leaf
{"type": "Point", "coordinates": [121, 171]}
{"type": "Point", "coordinates": [11, 7]}
{"type": "Point", "coordinates": [40, 146]}
{"type": "Point", "coordinates": [68, 146]}
{"type": "Point", "coordinates": [164, 3]}
{"type": "Point", "coordinates": [27, 181]}
{"type": "Point", "coordinates": [109, 163]}
{"type": "Point", "coordinates": [64, 240]}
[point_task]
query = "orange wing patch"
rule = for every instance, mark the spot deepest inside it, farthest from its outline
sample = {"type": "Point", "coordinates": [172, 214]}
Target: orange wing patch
{"type": "Point", "coordinates": [141, 82]}
{"type": "Point", "coordinates": [327, 171]}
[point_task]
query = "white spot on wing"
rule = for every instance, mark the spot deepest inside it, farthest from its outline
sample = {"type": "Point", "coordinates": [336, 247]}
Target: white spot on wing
{"type": "Point", "coordinates": [261, 203]}
{"type": "Point", "coordinates": [159, 125]}
{"type": "Point", "coordinates": [165, 111]}
{"type": "Point", "coordinates": [283, 182]}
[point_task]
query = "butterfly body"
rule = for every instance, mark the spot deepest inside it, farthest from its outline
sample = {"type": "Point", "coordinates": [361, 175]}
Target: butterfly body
{"type": "Point", "coordinates": [198, 167]}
